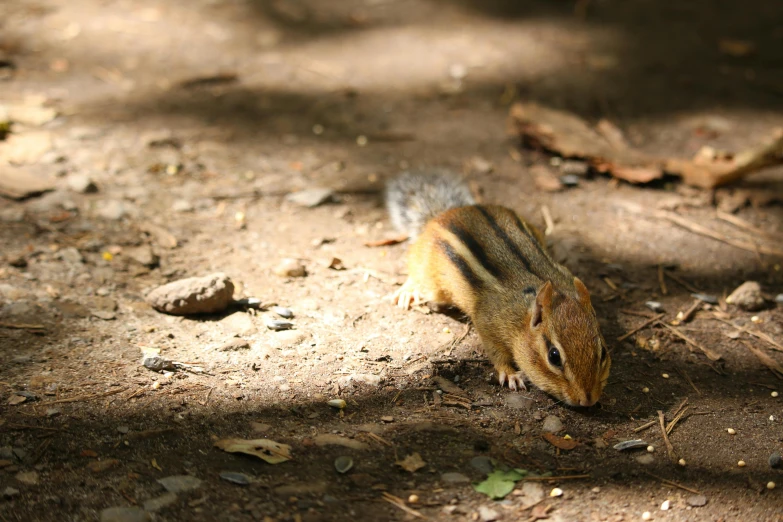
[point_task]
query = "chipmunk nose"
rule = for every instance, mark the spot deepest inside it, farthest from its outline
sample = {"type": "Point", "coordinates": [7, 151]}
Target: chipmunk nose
{"type": "Point", "coordinates": [587, 400]}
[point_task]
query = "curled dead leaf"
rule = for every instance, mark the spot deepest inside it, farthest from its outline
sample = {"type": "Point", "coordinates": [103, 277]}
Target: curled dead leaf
{"type": "Point", "coordinates": [560, 442]}
{"type": "Point", "coordinates": [265, 449]}
{"type": "Point", "coordinates": [411, 463]}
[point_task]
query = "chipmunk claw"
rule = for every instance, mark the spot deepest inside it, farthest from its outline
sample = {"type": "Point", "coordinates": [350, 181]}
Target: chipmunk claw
{"type": "Point", "coordinates": [406, 296]}
{"type": "Point", "coordinates": [516, 380]}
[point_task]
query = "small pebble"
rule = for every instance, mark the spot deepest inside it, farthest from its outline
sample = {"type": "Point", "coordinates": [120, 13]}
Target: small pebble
{"type": "Point", "coordinates": [651, 449]}
{"type": "Point", "coordinates": [711, 299]}
{"type": "Point", "coordinates": [741, 463]}
{"type": "Point", "coordinates": [123, 429]}
{"type": "Point", "coordinates": [552, 424]}
{"type": "Point", "coordinates": [665, 375]}
{"type": "Point", "coordinates": [779, 298]}
{"type": "Point", "coordinates": [283, 312]}
{"type": "Point", "coordinates": [697, 501]}
{"type": "Point", "coordinates": [235, 478]}
{"type": "Point", "coordinates": [681, 462]}
{"type": "Point", "coordinates": [290, 268]}
{"type": "Point", "coordinates": [770, 485]}
{"type": "Point", "coordinates": [666, 505]}
{"type": "Point", "coordinates": [487, 514]}
{"type": "Point", "coordinates": [343, 464]}
{"type": "Point", "coordinates": [747, 296]}
{"type": "Point", "coordinates": [557, 492]}
{"type": "Point", "coordinates": [569, 180]}
{"type": "Point", "coordinates": [774, 394]}
{"type": "Point", "coordinates": [655, 306]}
{"type": "Point", "coordinates": [731, 431]}
{"type": "Point", "coordinates": [646, 515]}
{"type": "Point", "coordinates": [775, 461]}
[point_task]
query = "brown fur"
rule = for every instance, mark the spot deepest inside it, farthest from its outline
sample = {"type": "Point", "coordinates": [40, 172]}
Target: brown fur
{"type": "Point", "coordinates": [489, 283]}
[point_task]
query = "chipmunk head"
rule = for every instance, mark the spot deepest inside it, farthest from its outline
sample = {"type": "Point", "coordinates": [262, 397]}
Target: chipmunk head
{"type": "Point", "coordinates": [569, 356]}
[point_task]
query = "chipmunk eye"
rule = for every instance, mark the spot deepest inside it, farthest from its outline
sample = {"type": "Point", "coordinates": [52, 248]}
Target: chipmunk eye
{"type": "Point", "coordinates": [554, 356]}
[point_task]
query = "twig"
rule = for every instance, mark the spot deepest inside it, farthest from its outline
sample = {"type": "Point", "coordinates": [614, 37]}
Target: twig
{"type": "Point", "coordinates": [379, 439]}
{"type": "Point", "coordinates": [687, 378]}
{"type": "Point", "coordinates": [672, 483]}
{"type": "Point", "coordinates": [662, 281]}
{"type": "Point", "coordinates": [85, 397]}
{"type": "Point", "coordinates": [677, 279]}
{"type": "Point", "coordinates": [400, 503]}
{"type": "Point", "coordinates": [669, 447]}
{"type": "Point", "coordinates": [766, 360]}
{"type": "Point", "coordinates": [741, 223]}
{"type": "Point", "coordinates": [550, 224]}
{"type": "Point", "coordinates": [561, 477]}
{"type": "Point", "coordinates": [640, 327]}
{"type": "Point", "coordinates": [711, 355]}
{"type": "Point", "coordinates": [29, 427]}
{"type": "Point", "coordinates": [686, 315]}
{"type": "Point", "coordinates": [701, 230]}
{"type": "Point", "coordinates": [12, 326]}
{"type": "Point", "coordinates": [754, 333]}
{"type": "Point", "coordinates": [675, 420]}
{"type": "Point", "coordinates": [206, 399]}
{"type": "Point", "coordinates": [644, 426]}
{"type": "Point", "coordinates": [637, 314]}
{"type": "Point", "coordinates": [680, 407]}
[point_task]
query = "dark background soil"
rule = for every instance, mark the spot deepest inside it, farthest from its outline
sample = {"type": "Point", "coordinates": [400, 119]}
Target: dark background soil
{"type": "Point", "coordinates": [384, 70]}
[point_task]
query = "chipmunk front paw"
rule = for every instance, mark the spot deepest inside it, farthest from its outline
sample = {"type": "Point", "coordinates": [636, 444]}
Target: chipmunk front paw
{"type": "Point", "coordinates": [407, 295]}
{"type": "Point", "coordinates": [516, 380]}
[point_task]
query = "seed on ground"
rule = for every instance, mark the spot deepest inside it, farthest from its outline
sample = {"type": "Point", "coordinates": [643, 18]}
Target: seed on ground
{"type": "Point", "coordinates": [731, 431]}
{"type": "Point", "coordinates": [770, 485]}
{"type": "Point", "coordinates": [681, 462]}
{"type": "Point", "coordinates": [557, 492]}
{"type": "Point", "coordinates": [665, 375]}
{"type": "Point", "coordinates": [413, 499]}
{"type": "Point", "coordinates": [741, 463]}
{"type": "Point", "coordinates": [645, 390]}
{"type": "Point", "coordinates": [650, 449]}
{"type": "Point", "coordinates": [774, 394]}
{"type": "Point", "coordinates": [646, 515]}
{"type": "Point", "coordinates": [666, 505]}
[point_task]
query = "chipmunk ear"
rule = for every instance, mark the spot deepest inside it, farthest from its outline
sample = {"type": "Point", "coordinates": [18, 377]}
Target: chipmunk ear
{"type": "Point", "coordinates": [543, 303]}
{"type": "Point", "coordinates": [584, 294]}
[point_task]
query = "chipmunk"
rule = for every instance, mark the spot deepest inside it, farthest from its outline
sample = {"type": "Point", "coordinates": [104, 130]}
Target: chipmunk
{"type": "Point", "coordinates": [535, 319]}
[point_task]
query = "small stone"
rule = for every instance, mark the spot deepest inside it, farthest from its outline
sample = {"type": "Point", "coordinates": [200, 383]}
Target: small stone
{"type": "Point", "coordinates": [71, 255]}
{"type": "Point", "coordinates": [290, 268]}
{"type": "Point", "coordinates": [646, 515]}
{"type": "Point", "coordinates": [741, 463]}
{"type": "Point", "coordinates": [123, 429]}
{"type": "Point", "coordinates": [569, 180]}
{"type": "Point", "coordinates": [124, 514]}
{"type": "Point", "coordinates": [143, 255]}
{"type": "Point", "coordinates": [156, 363]}
{"type": "Point", "coordinates": [666, 505]}
{"type": "Point", "coordinates": [665, 375]}
{"type": "Point", "coordinates": [156, 504]}
{"type": "Point", "coordinates": [195, 295]}
{"type": "Point", "coordinates": [276, 325]}
{"type": "Point", "coordinates": [81, 183]}
{"type": "Point", "coordinates": [283, 312]}
{"type": "Point", "coordinates": [552, 424]}
{"type": "Point", "coordinates": [180, 483]}
{"type": "Point", "coordinates": [646, 459]}
{"type": "Point", "coordinates": [52, 412]}
{"type": "Point", "coordinates": [27, 477]}
{"type": "Point", "coordinates": [596, 489]}
{"type": "Point", "coordinates": [235, 478]}
{"type": "Point", "coordinates": [453, 477]}
{"type": "Point", "coordinates": [518, 401]}
{"type": "Point", "coordinates": [775, 461]}
{"type": "Point", "coordinates": [483, 464]}
{"type": "Point", "coordinates": [711, 299]}
{"type": "Point", "coordinates": [488, 514]}
{"type": "Point", "coordinates": [10, 492]}
{"type": "Point", "coordinates": [697, 500]}
{"type": "Point", "coordinates": [731, 431]}
{"type": "Point", "coordinates": [556, 492]}
{"type": "Point", "coordinates": [343, 464]}
{"type": "Point", "coordinates": [645, 390]}
{"type": "Point", "coordinates": [530, 494]}
{"type": "Point", "coordinates": [337, 403]}
{"type": "Point", "coordinates": [655, 306]}
{"type": "Point", "coordinates": [387, 418]}
{"type": "Point", "coordinates": [747, 296]}
{"type": "Point", "coordinates": [779, 298]}
{"type": "Point", "coordinates": [113, 209]}
{"type": "Point", "coordinates": [311, 197]}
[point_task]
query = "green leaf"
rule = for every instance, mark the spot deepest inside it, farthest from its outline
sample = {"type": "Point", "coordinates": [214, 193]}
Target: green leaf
{"type": "Point", "coordinates": [499, 483]}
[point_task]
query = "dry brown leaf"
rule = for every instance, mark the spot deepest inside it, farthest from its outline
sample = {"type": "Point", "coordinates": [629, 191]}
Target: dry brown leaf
{"type": "Point", "coordinates": [336, 264]}
{"type": "Point", "coordinates": [411, 463]}
{"type": "Point", "coordinates": [386, 242]}
{"type": "Point", "coordinates": [16, 399]}
{"type": "Point", "coordinates": [560, 442]}
{"type": "Point", "coordinates": [265, 449]}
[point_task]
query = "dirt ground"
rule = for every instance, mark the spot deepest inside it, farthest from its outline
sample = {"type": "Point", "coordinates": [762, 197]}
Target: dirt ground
{"type": "Point", "coordinates": [198, 118]}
